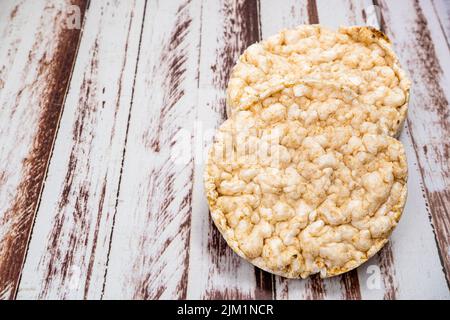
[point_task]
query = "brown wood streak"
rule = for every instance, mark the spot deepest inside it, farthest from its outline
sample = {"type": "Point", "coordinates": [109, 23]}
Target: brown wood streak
{"type": "Point", "coordinates": [432, 99]}
{"type": "Point", "coordinates": [54, 267]}
{"type": "Point", "coordinates": [173, 66]}
{"type": "Point", "coordinates": [313, 16]}
{"type": "Point", "coordinates": [241, 29]}
{"type": "Point", "coordinates": [386, 262]}
{"type": "Point", "coordinates": [22, 211]}
{"type": "Point", "coordinates": [243, 16]}
{"type": "Point", "coordinates": [265, 282]}
{"type": "Point", "coordinates": [350, 283]}
{"type": "Point", "coordinates": [60, 266]}
{"type": "Point", "coordinates": [377, 3]}
{"type": "Point", "coordinates": [352, 14]}
{"type": "Point", "coordinates": [62, 260]}
{"type": "Point", "coordinates": [104, 184]}
{"type": "Point", "coordinates": [315, 289]}
{"type": "Point", "coordinates": [176, 62]}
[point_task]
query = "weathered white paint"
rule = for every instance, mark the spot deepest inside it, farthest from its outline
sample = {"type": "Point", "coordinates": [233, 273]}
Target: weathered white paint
{"type": "Point", "coordinates": [29, 64]}
{"type": "Point", "coordinates": [69, 245]}
{"type": "Point", "coordinates": [150, 245]}
{"type": "Point", "coordinates": [336, 13]}
{"type": "Point", "coordinates": [442, 10]}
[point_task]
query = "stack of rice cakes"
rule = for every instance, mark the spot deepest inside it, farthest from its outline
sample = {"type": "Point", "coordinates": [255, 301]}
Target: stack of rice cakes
{"type": "Point", "coordinates": [306, 176]}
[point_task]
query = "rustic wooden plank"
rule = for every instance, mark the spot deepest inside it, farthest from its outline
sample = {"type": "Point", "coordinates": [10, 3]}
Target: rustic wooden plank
{"type": "Point", "coordinates": [150, 245]}
{"type": "Point", "coordinates": [442, 11]}
{"type": "Point", "coordinates": [228, 27]}
{"type": "Point", "coordinates": [39, 43]}
{"type": "Point", "coordinates": [70, 241]}
{"type": "Point", "coordinates": [421, 44]}
{"type": "Point", "coordinates": [336, 13]}
{"type": "Point", "coordinates": [288, 14]}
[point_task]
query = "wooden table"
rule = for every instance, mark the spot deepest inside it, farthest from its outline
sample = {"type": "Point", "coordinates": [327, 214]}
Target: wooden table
{"type": "Point", "coordinates": [106, 108]}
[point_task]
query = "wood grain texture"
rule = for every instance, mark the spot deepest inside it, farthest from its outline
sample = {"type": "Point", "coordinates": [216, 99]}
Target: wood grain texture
{"type": "Point", "coordinates": [442, 11]}
{"type": "Point", "coordinates": [421, 44]}
{"type": "Point", "coordinates": [149, 255]}
{"type": "Point", "coordinates": [36, 58]}
{"type": "Point", "coordinates": [336, 13]}
{"type": "Point", "coordinates": [228, 27]}
{"type": "Point", "coordinates": [68, 249]}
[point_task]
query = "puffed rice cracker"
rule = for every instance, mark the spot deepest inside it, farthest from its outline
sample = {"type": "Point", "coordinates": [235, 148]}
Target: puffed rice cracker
{"type": "Point", "coordinates": [360, 58]}
{"type": "Point", "coordinates": [297, 198]}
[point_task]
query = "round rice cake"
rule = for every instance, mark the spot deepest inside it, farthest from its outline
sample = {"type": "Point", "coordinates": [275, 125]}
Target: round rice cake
{"type": "Point", "coordinates": [297, 200]}
{"type": "Point", "coordinates": [317, 104]}
{"type": "Point", "coordinates": [360, 58]}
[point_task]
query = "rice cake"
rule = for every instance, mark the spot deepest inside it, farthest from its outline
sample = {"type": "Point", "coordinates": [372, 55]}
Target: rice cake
{"type": "Point", "coordinates": [298, 195]}
{"type": "Point", "coordinates": [360, 58]}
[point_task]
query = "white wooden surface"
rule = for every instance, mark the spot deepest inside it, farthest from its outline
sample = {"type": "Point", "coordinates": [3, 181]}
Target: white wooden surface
{"type": "Point", "coordinates": [151, 233]}
{"type": "Point", "coordinates": [130, 106]}
{"type": "Point", "coordinates": [67, 254]}
{"type": "Point", "coordinates": [36, 54]}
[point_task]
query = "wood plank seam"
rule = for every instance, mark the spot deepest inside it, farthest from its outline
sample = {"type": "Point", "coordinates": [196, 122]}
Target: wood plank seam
{"type": "Point", "coordinates": [36, 166]}
{"type": "Point", "coordinates": [160, 217]}
{"type": "Point", "coordinates": [313, 15]}
{"type": "Point", "coordinates": [123, 152]}
{"type": "Point", "coordinates": [68, 249]}
{"type": "Point", "coordinates": [441, 24]}
{"type": "Point", "coordinates": [53, 142]}
{"type": "Point", "coordinates": [429, 208]}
